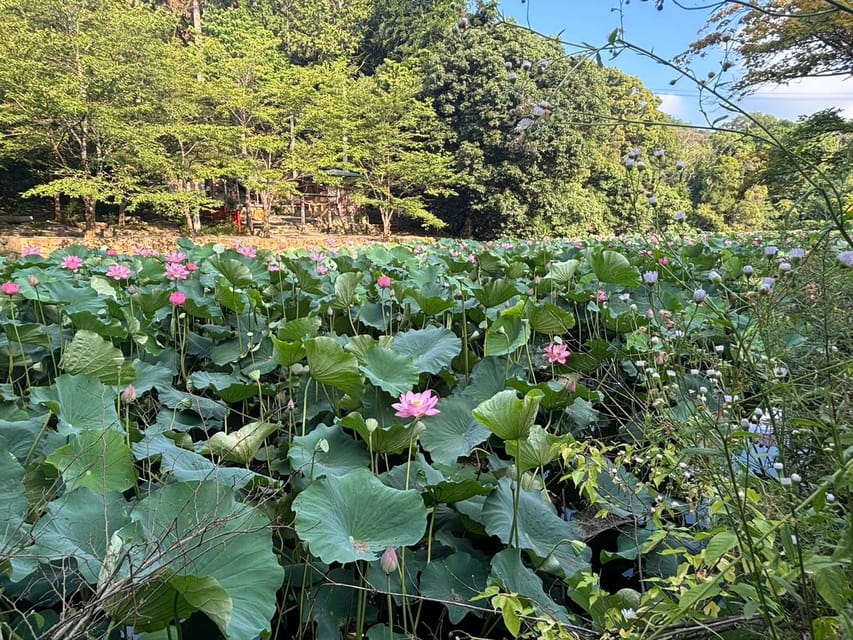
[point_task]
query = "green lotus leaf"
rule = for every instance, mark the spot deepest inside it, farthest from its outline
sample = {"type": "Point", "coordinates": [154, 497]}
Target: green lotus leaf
{"type": "Point", "coordinates": [456, 579]}
{"type": "Point", "coordinates": [209, 410]}
{"type": "Point", "coordinates": [187, 466]}
{"type": "Point", "coordinates": [330, 364]}
{"type": "Point", "coordinates": [356, 517]}
{"type": "Point", "coordinates": [582, 413]}
{"type": "Point", "coordinates": [394, 439]}
{"type": "Point", "coordinates": [29, 437]}
{"type": "Point", "coordinates": [514, 576]}
{"type": "Point", "coordinates": [299, 328]}
{"type": "Point", "coordinates": [613, 268]}
{"type": "Point", "coordinates": [506, 334]}
{"type": "Point", "coordinates": [619, 492]}
{"type": "Point", "coordinates": [212, 550]}
{"type": "Point", "coordinates": [496, 292]}
{"type": "Point", "coordinates": [235, 272]}
{"type": "Point", "coordinates": [241, 445]}
{"type": "Point", "coordinates": [392, 372]}
{"type": "Point", "coordinates": [13, 511]}
{"type": "Point", "coordinates": [432, 348]}
{"type": "Point", "coordinates": [548, 318]}
{"type": "Point", "coordinates": [431, 298]}
{"type": "Point", "coordinates": [79, 525]}
{"type": "Point", "coordinates": [554, 394]}
{"type": "Point", "coordinates": [327, 451]}
{"type": "Point", "coordinates": [74, 299]}
{"type": "Point", "coordinates": [453, 433]}
{"type": "Point", "coordinates": [80, 402]}
{"type": "Point", "coordinates": [27, 333]}
{"type": "Point", "coordinates": [449, 491]}
{"type": "Point", "coordinates": [507, 416]}
{"type": "Point", "coordinates": [89, 354]}
{"type": "Point", "coordinates": [555, 543]}
{"type": "Point", "coordinates": [233, 299]}
{"type": "Point", "coordinates": [97, 459]}
{"type": "Point", "coordinates": [287, 353]}
{"type": "Point", "coordinates": [563, 272]}
{"type": "Point", "coordinates": [346, 286]}
{"type": "Point", "coordinates": [537, 449]}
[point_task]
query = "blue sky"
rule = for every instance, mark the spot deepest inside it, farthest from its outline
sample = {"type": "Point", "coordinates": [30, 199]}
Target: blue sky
{"type": "Point", "coordinates": [668, 33]}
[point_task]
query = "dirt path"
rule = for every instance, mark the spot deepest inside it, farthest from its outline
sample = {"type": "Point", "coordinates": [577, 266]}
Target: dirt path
{"type": "Point", "coordinates": [50, 237]}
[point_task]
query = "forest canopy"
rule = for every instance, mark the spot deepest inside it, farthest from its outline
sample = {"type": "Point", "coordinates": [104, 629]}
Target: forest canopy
{"type": "Point", "coordinates": [443, 114]}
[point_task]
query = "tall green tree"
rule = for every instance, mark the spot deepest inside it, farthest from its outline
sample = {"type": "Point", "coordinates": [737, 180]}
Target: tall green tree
{"type": "Point", "coordinates": [289, 117]}
{"type": "Point", "coordinates": [782, 40]}
{"type": "Point", "coordinates": [518, 117]}
{"type": "Point", "coordinates": [394, 148]}
{"type": "Point", "coordinates": [78, 75]}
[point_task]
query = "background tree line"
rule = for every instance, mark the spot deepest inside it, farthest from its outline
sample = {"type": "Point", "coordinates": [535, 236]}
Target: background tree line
{"type": "Point", "coordinates": [452, 117]}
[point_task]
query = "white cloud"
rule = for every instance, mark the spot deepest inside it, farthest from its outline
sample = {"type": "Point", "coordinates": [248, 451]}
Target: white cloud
{"type": "Point", "coordinates": [673, 105]}
{"type": "Point", "coordinates": [803, 97]}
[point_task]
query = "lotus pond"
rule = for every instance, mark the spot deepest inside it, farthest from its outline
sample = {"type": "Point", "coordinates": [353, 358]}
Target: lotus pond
{"type": "Point", "coordinates": [549, 439]}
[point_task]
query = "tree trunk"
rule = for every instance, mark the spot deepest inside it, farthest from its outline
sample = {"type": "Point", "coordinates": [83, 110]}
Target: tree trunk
{"type": "Point", "coordinates": [122, 213]}
{"type": "Point", "coordinates": [386, 222]}
{"type": "Point", "coordinates": [89, 209]}
{"type": "Point", "coordinates": [196, 8]}
{"type": "Point", "coordinates": [189, 218]}
{"type": "Point", "coordinates": [57, 207]}
{"type": "Point", "coordinates": [266, 200]}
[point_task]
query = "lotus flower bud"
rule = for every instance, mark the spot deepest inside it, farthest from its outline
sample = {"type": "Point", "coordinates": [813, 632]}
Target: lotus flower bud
{"type": "Point", "coordinates": [129, 394]}
{"type": "Point", "coordinates": [389, 561]}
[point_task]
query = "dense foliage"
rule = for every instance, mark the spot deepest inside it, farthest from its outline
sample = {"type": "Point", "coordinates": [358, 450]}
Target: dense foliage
{"type": "Point", "coordinates": [546, 438]}
{"type": "Point", "coordinates": [443, 114]}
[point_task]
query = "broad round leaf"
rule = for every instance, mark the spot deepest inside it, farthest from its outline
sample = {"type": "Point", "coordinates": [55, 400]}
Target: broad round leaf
{"type": "Point", "coordinates": [80, 403]}
{"type": "Point", "coordinates": [432, 348]}
{"type": "Point", "coordinates": [204, 545]}
{"type": "Point", "coordinates": [553, 541]}
{"type": "Point", "coordinates": [392, 372]}
{"type": "Point", "coordinates": [394, 439]}
{"type": "Point", "coordinates": [356, 517]}
{"type": "Point", "coordinates": [79, 525]}
{"type": "Point", "coordinates": [509, 570]}
{"type": "Point", "coordinates": [98, 459]}
{"type": "Point", "coordinates": [327, 451]}
{"type": "Point", "coordinates": [508, 417]}
{"type": "Point", "coordinates": [614, 268]}
{"type": "Point", "coordinates": [89, 354]}
{"type": "Point", "coordinates": [457, 578]}
{"type": "Point", "coordinates": [330, 364]}
{"type": "Point", "coordinates": [453, 432]}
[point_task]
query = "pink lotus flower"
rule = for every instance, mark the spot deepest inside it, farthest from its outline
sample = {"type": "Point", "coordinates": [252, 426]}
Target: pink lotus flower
{"type": "Point", "coordinates": [416, 405]}
{"type": "Point", "coordinates": [119, 272]}
{"type": "Point", "coordinates": [192, 266]}
{"type": "Point", "coordinates": [383, 281]}
{"type": "Point", "coordinates": [663, 261]}
{"type": "Point", "coordinates": [177, 298]}
{"type": "Point", "coordinates": [10, 288]}
{"type": "Point", "coordinates": [72, 262]}
{"type": "Point", "coordinates": [31, 252]}
{"type": "Point", "coordinates": [273, 268]}
{"type": "Point", "coordinates": [321, 270]}
{"type": "Point", "coordinates": [112, 253]}
{"type": "Point", "coordinates": [177, 271]}
{"type": "Point", "coordinates": [145, 253]}
{"type": "Point", "coordinates": [555, 352]}
{"type": "Point", "coordinates": [247, 251]}
{"type": "Point", "coordinates": [34, 281]}
{"type": "Point", "coordinates": [175, 256]}
{"type": "Point", "coordinates": [601, 296]}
